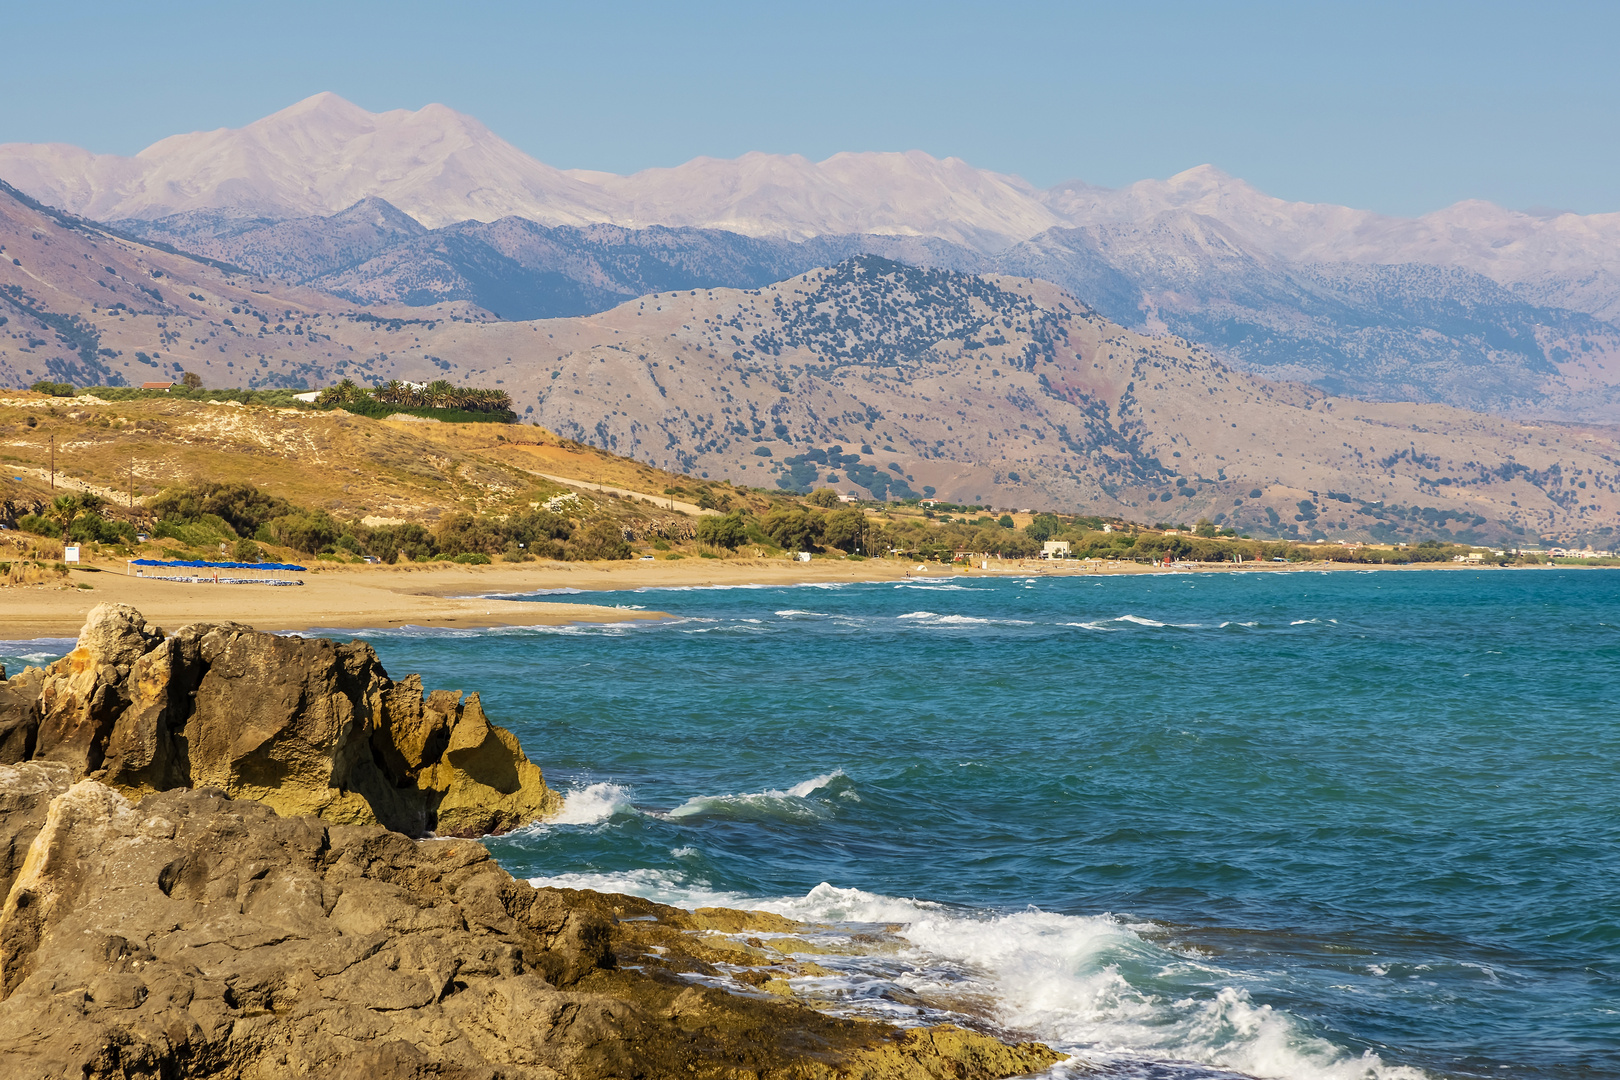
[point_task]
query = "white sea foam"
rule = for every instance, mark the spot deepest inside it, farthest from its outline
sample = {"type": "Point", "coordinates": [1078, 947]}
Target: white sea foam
{"type": "Point", "coordinates": [34, 658]}
{"type": "Point", "coordinates": [792, 803]}
{"type": "Point", "coordinates": [593, 805]}
{"type": "Point", "coordinates": [1138, 620]}
{"type": "Point", "coordinates": [1092, 986]}
{"type": "Point", "coordinates": [663, 886]}
{"type": "Point", "coordinates": [790, 613]}
{"type": "Point", "coordinates": [933, 619]}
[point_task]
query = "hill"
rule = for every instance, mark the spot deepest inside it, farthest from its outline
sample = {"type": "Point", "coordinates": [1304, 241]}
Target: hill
{"type": "Point", "coordinates": [989, 390]}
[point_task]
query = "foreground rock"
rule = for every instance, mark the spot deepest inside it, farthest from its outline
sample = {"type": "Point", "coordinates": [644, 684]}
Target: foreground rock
{"type": "Point", "coordinates": [191, 935]}
{"type": "Point", "coordinates": [306, 726]}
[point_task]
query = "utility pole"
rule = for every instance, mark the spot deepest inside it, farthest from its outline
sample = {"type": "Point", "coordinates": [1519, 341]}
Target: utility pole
{"type": "Point", "coordinates": [132, 481]}
{"type": "Point", "coordinates": [53, 462]}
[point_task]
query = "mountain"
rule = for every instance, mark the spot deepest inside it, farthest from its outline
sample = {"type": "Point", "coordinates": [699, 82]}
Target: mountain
{"type": "Point", "coordinates": [324, 154]}
{"type": "Point", "coordinates": [1388, 332]}
{"type": "Point", "coordinates": [870, 375]}
{"type": "Point", "coordinates": [1473, 305]}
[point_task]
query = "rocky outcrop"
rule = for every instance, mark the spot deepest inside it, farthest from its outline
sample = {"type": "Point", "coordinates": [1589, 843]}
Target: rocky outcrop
{"type": "Point", "coordinates": [306, 726]}
{"type": "Point", "coordinates": [204, 874]}
{"type": "Point", "coordinates": [190, 935]}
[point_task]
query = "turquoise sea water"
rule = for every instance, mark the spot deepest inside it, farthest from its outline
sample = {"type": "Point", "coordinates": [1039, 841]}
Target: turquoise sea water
{"type": "Point", "coordinates": [1291, 825]}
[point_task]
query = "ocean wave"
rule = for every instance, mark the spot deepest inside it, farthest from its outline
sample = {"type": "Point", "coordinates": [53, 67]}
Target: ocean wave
{"type": "Point", "coordinates": [1138, 620]}
{"type": "Point", "coordinates": [934, 619]}
{"type": "Point", "coordinates": [1090, 985]}
{"type": "Point", "coordinates": [37, 650]}
{"type": "Point", "coordinates": [34, 659]}
{"type": "Point", "coordinates": [794, 804]}
{"type": "Point", "coordinates": [662, 886]}
{"type": "Point", "coordinates": [791, 613]}
{"type": "Point", "coordinates": [593, 804]}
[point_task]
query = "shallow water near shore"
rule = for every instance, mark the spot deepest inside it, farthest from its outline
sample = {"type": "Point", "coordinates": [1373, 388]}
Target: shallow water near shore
{"type": "Point", "coordinates": [1291, 825]}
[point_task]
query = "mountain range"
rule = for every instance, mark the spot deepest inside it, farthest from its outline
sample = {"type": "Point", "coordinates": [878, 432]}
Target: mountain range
{"type": "Point", "coordinates": [871, 375]}
{"type": "Point", "coordinates": [1472, 305]}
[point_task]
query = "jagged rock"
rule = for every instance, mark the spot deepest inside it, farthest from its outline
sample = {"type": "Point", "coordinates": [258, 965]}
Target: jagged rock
{"type": "Point", "coordinates": [190, 935]}
{"type": "Point", "coordinates": [19, 715]}
{"type": "Point", "coordinates": [26, 792]}
{"type": "Point", "coordinates": [307, 726]}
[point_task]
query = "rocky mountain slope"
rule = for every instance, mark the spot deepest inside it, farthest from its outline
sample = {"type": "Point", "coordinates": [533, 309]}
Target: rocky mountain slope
{"type": "Point", "coordinates": [870, 375]}
{"type": "Point", "coordinates": [1472, 305]}
{"type": "Point", "coordinates": [1408, 331]}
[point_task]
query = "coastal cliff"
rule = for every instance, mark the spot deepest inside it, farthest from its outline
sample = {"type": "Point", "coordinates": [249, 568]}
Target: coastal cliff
{"type": "Point", "coordinates": [199, 881]}
{"type": "Point", "coordinates": [305, 726]}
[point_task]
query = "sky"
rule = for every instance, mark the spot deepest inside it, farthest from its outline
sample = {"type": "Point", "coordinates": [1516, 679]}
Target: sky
{"type": "Point", "coordinates": [1397, 107]}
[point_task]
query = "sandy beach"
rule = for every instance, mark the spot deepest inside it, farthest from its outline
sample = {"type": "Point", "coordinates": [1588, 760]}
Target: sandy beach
{"type": "Point", "coordinates": [359, 597]}
{"type": "Point", "coordinates": [355, 597]}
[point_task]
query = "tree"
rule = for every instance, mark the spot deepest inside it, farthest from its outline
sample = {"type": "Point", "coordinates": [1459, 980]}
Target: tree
{"type": "Point", "coordinates": [822, 497]}
{"type": "Point", "coordinates": [844, 529]}
{"type": "Point", "coordinates": [1005, 521]}
{"type": "Point", "coordinates": [1205, 527]}
{"type": "Point", "coordinates": [1043, 527]}
{"type": "Point", "coordinates": [193, 381]}
{"type": "Point", "coordinates": [65, 508]}
{"type": "Point", "coordinates": [793, 529]}
{"type": "Point", "coordinates": [723, 531]}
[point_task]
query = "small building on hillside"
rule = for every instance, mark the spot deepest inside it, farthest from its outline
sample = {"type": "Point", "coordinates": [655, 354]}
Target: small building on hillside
{"type": "Point", "coordinates": [157, 386]}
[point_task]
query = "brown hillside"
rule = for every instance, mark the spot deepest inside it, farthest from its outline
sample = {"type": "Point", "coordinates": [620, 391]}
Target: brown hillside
{"type": "Point", "coordinates": [996, 390]}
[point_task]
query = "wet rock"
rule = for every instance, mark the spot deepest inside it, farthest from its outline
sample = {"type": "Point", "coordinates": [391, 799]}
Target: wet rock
{"type": "Point", "coordinates": [188, 934]}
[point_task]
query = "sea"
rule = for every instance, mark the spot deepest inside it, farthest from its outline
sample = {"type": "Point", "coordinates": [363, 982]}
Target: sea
{"type": "Point", "coordinates": [1272, 824]}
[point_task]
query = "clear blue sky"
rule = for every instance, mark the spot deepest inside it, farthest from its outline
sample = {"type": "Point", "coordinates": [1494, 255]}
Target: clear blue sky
{"type": "Point", "coordinates": [1399, 107]}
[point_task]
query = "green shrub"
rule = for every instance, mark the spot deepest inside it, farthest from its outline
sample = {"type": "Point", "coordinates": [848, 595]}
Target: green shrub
{"type": "Point", "coordinates": [725, 531]}
{"type": "Point", "coordinates": [39, 526]}
{"type": "Point", "coordinates": [601, 539]}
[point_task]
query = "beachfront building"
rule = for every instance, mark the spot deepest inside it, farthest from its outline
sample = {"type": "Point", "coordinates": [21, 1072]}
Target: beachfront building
{"type": "Point", "coordinates": [1055, 549]}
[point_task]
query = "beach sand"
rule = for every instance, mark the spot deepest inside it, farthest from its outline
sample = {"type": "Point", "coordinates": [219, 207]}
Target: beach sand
{"type": "Point", "coordinates": [354, 597]}
{"type": "Point", "coordinates": [358, 596]}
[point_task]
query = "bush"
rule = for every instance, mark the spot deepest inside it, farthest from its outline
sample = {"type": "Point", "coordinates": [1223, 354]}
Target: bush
{"type": "Point", "coordinates": [306, 531]}
{"type": "Point", "coordinates": [244, 507]}
{"type": "Point", "coordinates": [39, 526]}
{"type": "Point", "coordinates": [93, 528]}
{"type": "Point", "coordinates": [824, 497]}
{"type": "Point", "coordinates": [727, 531]}
{"type": "Point", "coordinates": [601, 539]}
{"type": "Point", "coordinates": [245, 550]}
{"type": "Point", "coordinates": [55, 389]}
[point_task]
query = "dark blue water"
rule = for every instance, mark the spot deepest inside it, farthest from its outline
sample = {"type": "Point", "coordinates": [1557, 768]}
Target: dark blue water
{"type": "Point", "coordinates": [1290, 825]}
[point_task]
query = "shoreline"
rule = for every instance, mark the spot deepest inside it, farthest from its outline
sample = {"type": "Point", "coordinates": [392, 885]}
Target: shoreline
{"type": "Point", "coordinates": [451, 596]}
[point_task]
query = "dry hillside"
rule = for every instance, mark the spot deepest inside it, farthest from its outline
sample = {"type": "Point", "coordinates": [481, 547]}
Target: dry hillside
{"type": "Point", "coordinates": [984, 389]}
